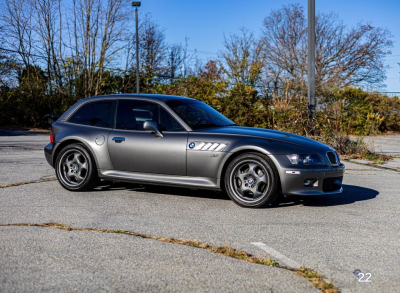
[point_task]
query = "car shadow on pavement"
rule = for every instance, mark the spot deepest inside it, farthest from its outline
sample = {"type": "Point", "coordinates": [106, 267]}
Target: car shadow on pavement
{"type": "Point", "coordinates": [178, 191]}
{"type": "Point", "coordinates": [350, 194]}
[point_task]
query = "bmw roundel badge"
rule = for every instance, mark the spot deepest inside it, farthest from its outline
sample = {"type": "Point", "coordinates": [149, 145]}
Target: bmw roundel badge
{"type": "Point", "coordinates": [192, 145]}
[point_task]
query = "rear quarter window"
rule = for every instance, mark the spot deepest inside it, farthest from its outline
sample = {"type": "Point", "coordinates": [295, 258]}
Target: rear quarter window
{"type": "Point", "coordinates": [98, 113]}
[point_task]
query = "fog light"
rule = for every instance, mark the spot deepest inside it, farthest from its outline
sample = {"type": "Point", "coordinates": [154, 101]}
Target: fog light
{"type": "Point", "coordinates": [310, 182]}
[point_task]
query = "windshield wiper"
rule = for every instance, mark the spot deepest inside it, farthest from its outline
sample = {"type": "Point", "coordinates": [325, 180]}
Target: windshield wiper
{"type": "Point", "coordinates": [231, 125]}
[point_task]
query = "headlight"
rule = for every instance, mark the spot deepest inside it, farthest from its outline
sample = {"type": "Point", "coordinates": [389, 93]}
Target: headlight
{"type": "Point", "coordinates": [302, 159]}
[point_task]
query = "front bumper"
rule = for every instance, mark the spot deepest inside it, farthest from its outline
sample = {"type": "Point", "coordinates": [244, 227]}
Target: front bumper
{"type": "Point", "coordinates": [327, 181]}
{"type": "Point", "coordinates": [48, 153]}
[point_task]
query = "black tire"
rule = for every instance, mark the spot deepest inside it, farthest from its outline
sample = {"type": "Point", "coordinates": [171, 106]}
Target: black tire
{"type": "Point", "coordinates": [252, 180]}
{"type": "Point", "coordinates": [76, 169]}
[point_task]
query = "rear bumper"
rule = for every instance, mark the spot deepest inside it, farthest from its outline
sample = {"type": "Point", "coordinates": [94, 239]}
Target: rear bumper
{"type": "Point", "coordinates": [48, 153]}
{"type": "Point", "coordinates": [327, 181]}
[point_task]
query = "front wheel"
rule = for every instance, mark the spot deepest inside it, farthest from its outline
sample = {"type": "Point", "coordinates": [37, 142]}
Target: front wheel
{"type": "Point", "coordinates": [251, 180]}
{"type": "Point", "coordinates": [76, 169]}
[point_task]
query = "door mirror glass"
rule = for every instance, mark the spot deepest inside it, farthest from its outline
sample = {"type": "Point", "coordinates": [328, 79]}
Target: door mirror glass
{"type": "Point", "coordinates": [152, 126]}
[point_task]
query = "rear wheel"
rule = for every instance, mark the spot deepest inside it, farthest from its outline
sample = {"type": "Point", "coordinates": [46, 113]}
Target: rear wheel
{"type": "Point", "coordinates": [251, 180]}
{"type": "Point", "coordinates": [76, 169]}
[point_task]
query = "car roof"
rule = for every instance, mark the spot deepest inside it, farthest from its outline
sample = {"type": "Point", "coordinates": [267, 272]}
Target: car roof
{"type": "Point", "coordinates": [149, 97]}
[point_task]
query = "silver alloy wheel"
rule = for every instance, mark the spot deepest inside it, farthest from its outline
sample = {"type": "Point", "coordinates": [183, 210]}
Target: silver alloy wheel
{"type": "Point", "coordinates": [73, 167]}
{"type": "Point", "coordinates": [249, 180]}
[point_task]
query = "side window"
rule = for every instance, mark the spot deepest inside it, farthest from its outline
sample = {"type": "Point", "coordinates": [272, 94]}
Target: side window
{"type": "Point", "coordinates": [132, 114]}
{"type": "Point", "coordinates": [99, 113]}
{"type": "Point", "coordinates": [168, 123]}
{"type": "Point", "coordinates": [191, 115]}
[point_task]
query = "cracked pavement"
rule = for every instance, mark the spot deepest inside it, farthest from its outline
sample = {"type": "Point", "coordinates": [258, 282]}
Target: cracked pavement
{"type": "Point", "coordinates": [335, 235]}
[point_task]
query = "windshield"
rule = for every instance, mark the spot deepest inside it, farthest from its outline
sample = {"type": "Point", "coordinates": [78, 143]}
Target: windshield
{"type": "Point", "coordinates": [198, 115]}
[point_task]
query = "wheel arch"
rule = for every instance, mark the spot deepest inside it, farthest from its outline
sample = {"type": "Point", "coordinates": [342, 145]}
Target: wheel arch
{"type": "Point", "coordinates": [69, 141]}
{"type": "Point", "coordinates": [242, 150]}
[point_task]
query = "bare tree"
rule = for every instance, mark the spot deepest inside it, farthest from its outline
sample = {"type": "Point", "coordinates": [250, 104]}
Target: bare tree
{"type": "Point", "coordinates": [242, 58]}
{"type": "Point", "coordinates": [113, 20]}
{"type": "Point", "coordinates": [152, 55]}
{"type": "Point", "coordinates": [48, 28]}
{"type": "Point", "coordinates": [152, 48]}
{"type": "Point", "coordinates": [98, 27]}
{"type": "Point", "coordinates": [343, 56]}
{"type": "Point", "coordinates": [175, 57]}
{"type": "Point", "coordinates": [18, 37]}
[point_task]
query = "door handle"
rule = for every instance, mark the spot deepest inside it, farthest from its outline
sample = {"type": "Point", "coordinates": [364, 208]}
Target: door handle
{"type": "Point", "coordinates": [118, 139]}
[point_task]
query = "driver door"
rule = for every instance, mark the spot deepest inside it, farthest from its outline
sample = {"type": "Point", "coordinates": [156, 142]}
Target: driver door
{"type": "Point", "coordinates": [135, 150]}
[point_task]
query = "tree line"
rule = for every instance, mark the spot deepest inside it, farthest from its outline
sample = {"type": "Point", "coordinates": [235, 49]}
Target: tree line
{"type": "Point", "coordinates": [55, 52]}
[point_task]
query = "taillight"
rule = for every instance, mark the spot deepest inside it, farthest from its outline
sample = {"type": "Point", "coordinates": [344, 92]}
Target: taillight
{"type": "Point", "coordinates": [51, 136]}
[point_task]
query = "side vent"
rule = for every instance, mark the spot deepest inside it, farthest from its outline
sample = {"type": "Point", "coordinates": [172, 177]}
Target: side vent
{"type": "Point", "coordinates": [206, 146]}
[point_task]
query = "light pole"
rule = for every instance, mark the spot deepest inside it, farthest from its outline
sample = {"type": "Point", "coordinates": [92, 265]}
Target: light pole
{"type": "Point", "coordinates": [137, 4]}
{"type": "Point", "coordinates": [311, 58]}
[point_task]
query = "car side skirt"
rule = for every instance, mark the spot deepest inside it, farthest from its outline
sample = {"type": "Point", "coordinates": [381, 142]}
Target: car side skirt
{"type": "Point", "coordinates": [183, 181]}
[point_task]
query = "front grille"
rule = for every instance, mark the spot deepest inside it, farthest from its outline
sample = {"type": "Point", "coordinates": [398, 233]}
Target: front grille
{"type": "Point", "coordinates": [332, 184]}
{"type": "Point", "coordinates": [333, 158]}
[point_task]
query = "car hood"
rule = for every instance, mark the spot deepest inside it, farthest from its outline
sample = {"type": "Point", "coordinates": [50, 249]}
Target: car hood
{"type": "Point", "coordinates": [270, 135]}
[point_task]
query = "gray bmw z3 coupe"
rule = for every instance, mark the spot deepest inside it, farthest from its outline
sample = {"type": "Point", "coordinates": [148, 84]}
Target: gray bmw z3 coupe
{"type": "Point", "coordinates": [169, 140]}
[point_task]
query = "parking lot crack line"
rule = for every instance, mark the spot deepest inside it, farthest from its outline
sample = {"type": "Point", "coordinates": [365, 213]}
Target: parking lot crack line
{"type": "Point", "coordinates": [312, 276]}
{"type": "Point", "coordinates": [20, 148]}
{"type": "Point", "coordinates": [41, 180]}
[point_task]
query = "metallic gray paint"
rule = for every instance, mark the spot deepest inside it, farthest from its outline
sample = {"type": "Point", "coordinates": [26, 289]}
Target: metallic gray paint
{"type": "Point", "coordinates": [168, 160]}
{"type": "Point", "coordinates": [64, 131]}
{"type": "Point", "coordinates": [188, 181]}
{"type": "Point", "coordinates": [143, 151]}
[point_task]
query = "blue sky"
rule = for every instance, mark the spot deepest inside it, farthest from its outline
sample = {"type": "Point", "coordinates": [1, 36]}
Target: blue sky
{"type": "Point", "coordinates": [205, 22]}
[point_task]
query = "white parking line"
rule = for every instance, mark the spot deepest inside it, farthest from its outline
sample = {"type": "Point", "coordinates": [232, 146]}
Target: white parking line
{"type": "Point", "coordinates": [275, 255]}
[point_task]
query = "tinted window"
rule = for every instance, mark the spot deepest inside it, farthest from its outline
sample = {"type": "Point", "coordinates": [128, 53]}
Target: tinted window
{"type": "Point", "coordinates": [168, 123]}
{"type": "Point", "coordinates": [132, 114]}
{"type": "Point", "coordinates": [198, 114]}
{"type": "Point", "coordinates": [100, 114]}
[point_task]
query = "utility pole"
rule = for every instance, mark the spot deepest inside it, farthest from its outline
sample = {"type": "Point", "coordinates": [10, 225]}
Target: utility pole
{"type": "Point", "coordinates": [137, 4]}
{"type": "Point", "coordinates": [311, 58]}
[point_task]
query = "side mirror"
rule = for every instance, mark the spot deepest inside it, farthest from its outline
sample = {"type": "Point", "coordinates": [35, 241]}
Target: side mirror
{"type": "Point", "coordinates": [152, 126]}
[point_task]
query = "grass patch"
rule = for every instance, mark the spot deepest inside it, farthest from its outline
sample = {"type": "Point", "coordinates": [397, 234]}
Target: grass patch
{"type": "Point", "coordinates": [373, 157]}
{"type": "Point", "coordinates": [119, 231]}
{"type": "Point", "coordinates": [312, 276]}
{"type": "Point", "coordinates": [354, 148]}
{"type": "Point", "coordinates": [317, 280]}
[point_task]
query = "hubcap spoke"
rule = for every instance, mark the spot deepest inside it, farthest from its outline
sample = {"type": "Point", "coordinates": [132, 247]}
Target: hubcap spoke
{"type": "Point", "coordinates": [79, 178]}
{"type": "Point", "coordinates": [76, 157]}
{"type": "Point", "coordinates": [252, 169]}
{"type": "Point", "coordinates": [263, 179]}
{"type": "Point", "coordinates": [254, 191]}
{"type": "Point", "coordinates": [70, 173]}
{"type": "Point", "coordinates": [240, 189]}
{"type": "Point", "coordinates": [82, 165]}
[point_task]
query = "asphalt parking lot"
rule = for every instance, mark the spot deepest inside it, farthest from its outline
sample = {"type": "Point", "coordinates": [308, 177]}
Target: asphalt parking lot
{"type": "Point", "coordinates": [359, 229]}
